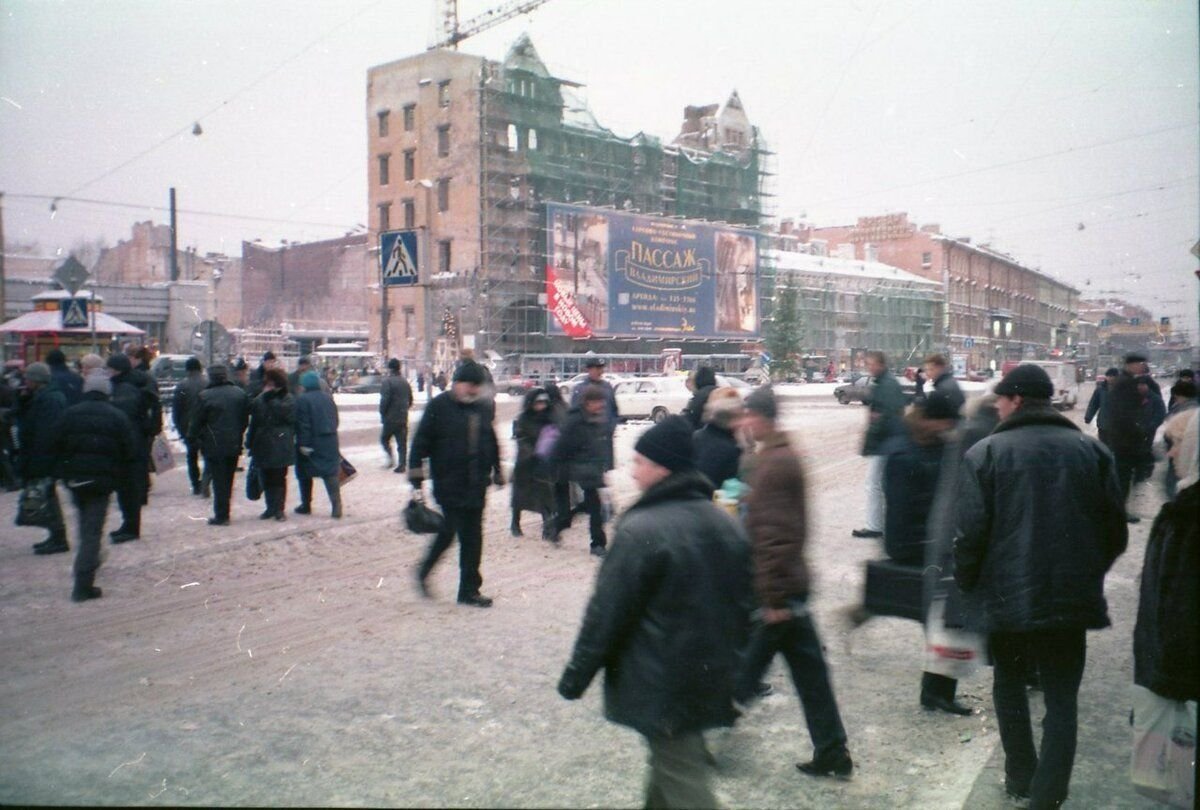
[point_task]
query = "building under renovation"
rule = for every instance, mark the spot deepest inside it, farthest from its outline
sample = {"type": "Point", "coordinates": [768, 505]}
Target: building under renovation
{"type": "Point", "coordinates": [469, 151]}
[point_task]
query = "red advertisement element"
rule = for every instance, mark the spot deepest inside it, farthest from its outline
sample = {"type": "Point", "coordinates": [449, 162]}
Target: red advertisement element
{"type": "Point", "coordinates": [561, 303]}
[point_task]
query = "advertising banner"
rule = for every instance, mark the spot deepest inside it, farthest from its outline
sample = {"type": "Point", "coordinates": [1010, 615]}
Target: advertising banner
{"type": "Point", "coordinates": [609, 273]}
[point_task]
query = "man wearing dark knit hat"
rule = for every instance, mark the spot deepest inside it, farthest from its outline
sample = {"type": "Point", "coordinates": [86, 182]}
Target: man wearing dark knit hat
{"type": "Point", "coordinates": [668, 617]}
{"type": "Point", "coordinates": [1128, 429]}
{"type": "Point", "coordinates": [1040, 521]}
{"type": "Point", "coordinates": [456, 435]}
{"type": "Point", "coordinates": [776, 518]}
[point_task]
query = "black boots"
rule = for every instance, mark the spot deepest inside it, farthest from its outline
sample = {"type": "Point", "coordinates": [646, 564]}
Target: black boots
{"type": "Point", "coordinates": [515, 528]}
{"type": "Point", "coordinates": [84, 589]}
{"type": "Point", "coordinates": [334, 489]}
{"type": "Point", "coordinates": [56, 543]}
{"type": "Point", "coordinates": [835, 763]}
{"type": "Point", "coordinates": [937, 694]}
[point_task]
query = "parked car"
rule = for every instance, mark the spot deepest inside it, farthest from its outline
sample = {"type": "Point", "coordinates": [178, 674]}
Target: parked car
{"type": "Point", "coordinates": [516, 385]}
{"type": "Point", "coordinates": [567, 387]}
{"type": "Point", "coordinates": [365, 384]}
{"type": "Point", "coordinates": [653, 398]}
{"type": "Point", "coordinates": [859, 389]}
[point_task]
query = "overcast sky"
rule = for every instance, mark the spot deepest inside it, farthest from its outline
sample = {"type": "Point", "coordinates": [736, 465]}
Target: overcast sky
{"type": "Point", "coordinates": [1064, 133]}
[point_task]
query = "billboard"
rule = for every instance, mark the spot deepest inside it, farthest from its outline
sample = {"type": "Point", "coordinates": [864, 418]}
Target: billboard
{"type": "Point", "coordinates": [614, 274]}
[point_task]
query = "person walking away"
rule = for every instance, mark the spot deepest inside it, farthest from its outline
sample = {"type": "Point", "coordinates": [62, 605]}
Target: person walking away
{"type": "Point", "coordinates": [457, 437]}
{"type": "Point", "coordinates": [703, 384]}
{"type": "Point", "coordinates": [1128, 439]}
{"type": "Point", "coordinates": [580, 458]}
{"type": "Point", "coordinates": [395, 401]}
{"type": "Point", "coordinates": [718, 454]}
{"type": "Point", "coordinates": [271, 440]}
{"type": "Point", "coordinates": [318, 454]}
{"type": "Point", "coordinates": [884, 428]}
{"type": "Point", "coordinates": [63, 378]}
{"type": "Point", "coordinates": [241, 374]}
{"type": "Point", "coordinates": [138, 400]}
{"type": "Point", "coordinates": [595, 380]}
{"type": "Point", "coordinates": [96, 446]}
{"type": "Point", "coordinates": [668, 617]}
{"type": "Point", "coordinates": [1040, 521]}
{"type": "Point", "coordinates": [183, 405]}
{"type": "Point", "coordinates": [39, 407]}
{"type": "Point", "coordinates": [1099, 407]}
{"type": "Point", "coordinates": [1183, 400]}
{"type": "Point", "coordinates": [532, 488]}
{"type": "Point", "coordinates": [1154, 412]}
{"type": "Point", "coordinates": [218, 425]}
{"type": "Point", "coordinates": [303, 366]}
{"type": "Point", "coordinates": [776, 520]}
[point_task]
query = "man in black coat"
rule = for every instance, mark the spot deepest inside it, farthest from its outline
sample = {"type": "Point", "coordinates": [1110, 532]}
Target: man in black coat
{"type": "Point", "coordinates": [395, 401]}
{"type": "Point", "coordinates": [40, 404]}
{"type": "Point", "coordinates": [579, 458]}
{"type": "Point", "coordinates": [669, 616]}
{"type": "Point", "coordinates": [63, 378]}
{"type": "Point", "coordinates": [885, 427]}
{"type": "Point", "coordinates": [942, 383]}
{"type": "Point", "coordinates": [703, 384]}
{"type": "Point", "coordinates": [132, 396]}
{"type": "Point", "coordinates": [183, 405]}
{"type": "Point", "coordinates": [595, 379]}
{"type": "Point", "coordinates": [718, 454]}
{"type": "Point", "coordinates": [218, 425]}
{"type": "Point", "coordinates": [96, 446]}
{"type": "Point", "coordinates": [1099, 407]}
{"type": "Point", "coordinates": [1040, 521]}
{"type": "Point", "coordinates": [1128, 427]}
{"type": "Point", "coordinates": [457, 437]}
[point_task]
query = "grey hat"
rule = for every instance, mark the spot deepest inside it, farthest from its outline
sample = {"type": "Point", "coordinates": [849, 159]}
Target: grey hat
{"type": "Point", "coordinates": [762, 402]}
{"type": "Point", "coordinates": [97, 380]}
{"type": "Point", "coordinates": [38, 373]}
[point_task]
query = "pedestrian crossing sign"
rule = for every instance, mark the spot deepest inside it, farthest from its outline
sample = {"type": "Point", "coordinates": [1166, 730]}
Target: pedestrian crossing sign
{"type": "Point", "coordinates": [74, 313]}
{"type": "Point", "coordinates": [398, 257]}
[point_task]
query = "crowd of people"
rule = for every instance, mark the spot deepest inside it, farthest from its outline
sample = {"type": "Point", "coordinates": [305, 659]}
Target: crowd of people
{"type": "Point", "coordinates": [997, 522]}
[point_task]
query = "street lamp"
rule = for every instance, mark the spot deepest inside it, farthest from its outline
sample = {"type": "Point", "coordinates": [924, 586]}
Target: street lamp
{"type": "Point", "coordinates": [1001, 331]}
{"type": "Point", "coordinates": [424, 273]}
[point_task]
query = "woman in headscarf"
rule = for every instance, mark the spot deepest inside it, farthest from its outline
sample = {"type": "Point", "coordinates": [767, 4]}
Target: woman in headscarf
{"type": "Point", "coordinates": [317, 444]}
{"type": "Point", "coordinates": [532, 489]}
{"type": "Point", "coordinates": [271, 440]}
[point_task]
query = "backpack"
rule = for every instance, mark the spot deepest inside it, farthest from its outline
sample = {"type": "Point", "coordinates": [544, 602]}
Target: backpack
{"type": "Point", "coordinates": [547, 438]}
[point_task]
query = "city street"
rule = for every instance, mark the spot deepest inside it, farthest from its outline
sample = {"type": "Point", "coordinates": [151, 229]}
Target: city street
{"type": "Point", "coordinates": [295, 663]}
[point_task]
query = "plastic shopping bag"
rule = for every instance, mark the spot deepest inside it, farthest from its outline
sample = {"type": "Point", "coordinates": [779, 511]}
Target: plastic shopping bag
{"type": "Point", "coordinates": [951, 652]}
{"type": "Point", "coordinates": [1163, 764]}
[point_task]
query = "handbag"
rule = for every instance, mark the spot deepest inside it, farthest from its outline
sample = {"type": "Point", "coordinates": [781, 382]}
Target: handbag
{"type": "Point", "coordinates": [254, 482]}
{"type": "Point", "coordinates": [1164, 748]}
{"type": "Point", "coordinates": [35, 505]}
{"type": "Point", "coordinates": [953, 653]}
{"type": "Point", "coordinates": [160, 454]}
{"type": "Point", "coordinates": [420, 518]}
{"type": "Point", "coordinates": [547, 438]}
{"type": "Point", "coordinates": [346, 471]}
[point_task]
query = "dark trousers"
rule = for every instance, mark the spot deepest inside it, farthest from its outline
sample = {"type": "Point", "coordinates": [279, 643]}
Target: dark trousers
{"type": "Point", "coordinates": [1126, 466]}
{"type": "Point", "coordinates": [797, 639]}
{"type": "Point", "coordinates": [467, 524]}
{"type": "Point", "coordinates": [399, 431]}
{"type": "Point", "coordinates": [274, 488]}
{"type": "Point", "coordinates": [198, 477]}
{"type": "Point", "coordinates": [92, 508]}
{"type": "Point", "coordinates": [591, 505]}
{"type": "Point", "coordinates": [332, 489]}
{"type": "Point", "coordinates": [679, 773]}
{"type": "Point", "coordinates": [222, 471]}
{"type": "Point", "coordinates": [130, 497]}
{"type": "Point", "coordinates": [1059, 656]}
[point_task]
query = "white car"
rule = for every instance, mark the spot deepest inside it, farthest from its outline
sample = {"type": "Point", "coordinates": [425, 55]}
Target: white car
{"type": "Point", "coordinates": [653, 398]}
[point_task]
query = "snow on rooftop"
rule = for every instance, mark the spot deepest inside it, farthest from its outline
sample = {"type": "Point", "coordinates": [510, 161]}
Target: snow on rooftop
{"type": "Point", "coordinates": [806, 263]}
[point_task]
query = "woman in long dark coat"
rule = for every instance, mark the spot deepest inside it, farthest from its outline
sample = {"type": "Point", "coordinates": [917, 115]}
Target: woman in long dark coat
{"type": "Point", "coordinates": [317, 450]}
{"type": "Point", "coordinates": [271, 440]}
{"type": "Point", "coordinates": [532, 487]}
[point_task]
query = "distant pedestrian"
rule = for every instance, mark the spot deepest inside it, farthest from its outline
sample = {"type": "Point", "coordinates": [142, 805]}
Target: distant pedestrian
{"type": "Point", "coordinates": [95, 445]}
{"type": "Point", "coordinates": [132, 396]}
{"type": "Point", "coordinates": [668, 618]}
{"type": "Point", "coordinates": [532, 485]}
{"type": "Point", "coordinates": [440, 381]}
{"type": "Point", "coordinates": [1128, 441]}
{"type": "Point", "coordinates": [63, 378]}
{"type": "Point", "coordinates": [1040, 522]}
{"type": "Point", "coordinates": [318, 454]}
{"type": "Point", "coordinates": [884, 429]}
{"type": "Point", "coordinates": [395, 401]}
{"type": "Point", "coordinates": [703, 384]}
{"type": "Point", "coordinates": [1100, 408]}
{"type": "Point", "coordinates": [456, 436]}
{"type": "Point", "coordinates": [40, 405]}
{"type": "Point", "coordinates": [940, 377]}
{"type": "Point", "coordinates": [420, 382]}
{"type": "Point", "coordinates": [271, 440]}
{"type": "Point", "coordinates": [303, 365]}
{"type": "Point", "coordinates": [241, 374]}
{"type": "Point", "coordinates": [218, 425]}
{"type": "Point", "coordinates": [183, 404]}
{"type": "Point", "coordinates": [581, 458]}
{"type": "Point", "coordinates": [1154, 412]}
{"type": "Point", "coordinates": [718, 453]}
{"type": "Point", "coordinates": [257, 376]}
{"type": "Point", "coordinates": [612, 416]}
{"type": "Point", "coordinates": [777, 522]}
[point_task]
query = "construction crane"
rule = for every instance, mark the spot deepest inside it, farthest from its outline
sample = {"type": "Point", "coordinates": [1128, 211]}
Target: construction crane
{"type": "Point", "coordinates": [453, 32]}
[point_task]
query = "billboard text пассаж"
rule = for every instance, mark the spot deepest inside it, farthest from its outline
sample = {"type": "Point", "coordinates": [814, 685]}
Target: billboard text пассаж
{"type": "Point", "coordinates": [609, 273]}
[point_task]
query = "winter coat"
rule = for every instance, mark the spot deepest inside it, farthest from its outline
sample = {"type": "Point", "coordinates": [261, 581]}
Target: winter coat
{"type": "Point", "coordinates": [460, 442]}
{"type": "Point", "coordinates": [613, 416]}
{"type": "Point", "coordinates": [67, 381]}
{"type": "Point", "coordinates": [581, 452]}
{"type": "Point", "coordinates": [532, 485]}
{"type": "Point", "coordinates": [1127, 432]}
{"type": "Point", "coordinates": [910, 481]}
{"type": "Point", "coordinates": [37, 419]}
{"type": "Point", "coordinates": [271, 438]}
{"type": "Point", "coordinates": [94, 442]}
{"type": "Point", "coordinates": [777, 522]}
{"type": "Point", "coordinates": [670, 614]}
{"type": "Point", "coordinates": [703, 385]}
{"type": "Point", "coordinates": [1154, 413]}
{"type": "Point", "coordinates": [395, 399]}
{"type": "Point", "coordinates": [1098, 408]}
{"type": "Point", "coordinates": [219, 420]}
{"type": "Point", "coordinates": [1166, 638]}
{"type": "Point", "coordinates": [185, 399]}
{"type": "Point", "coordinates": [317, 427]}
{"type": "Point", "coordinates": [1040, 520]}
{"type": "Point", "coordinates": [886, 412]}
{"type": "Point", "coordinates": [947, 386]}
{"type": "Point", "coordinates": [718, 454]}
{"type": "Point", "coordinates": [134, 396]}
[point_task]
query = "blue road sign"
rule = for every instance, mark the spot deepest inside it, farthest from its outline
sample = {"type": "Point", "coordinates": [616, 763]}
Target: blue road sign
{"type": "Point", "coordinates": [968, 343]}
{"type": "Point", "coordinates": [398, 258]}
{"type": "Point", "coordinates": [74, 313]}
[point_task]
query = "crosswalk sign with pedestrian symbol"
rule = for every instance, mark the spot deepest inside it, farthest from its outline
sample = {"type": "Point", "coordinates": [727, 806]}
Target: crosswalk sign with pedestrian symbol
{"type": "Point", "coordinates": [74, 313]}
{"type": "Point", "coordinates": [398, 257]}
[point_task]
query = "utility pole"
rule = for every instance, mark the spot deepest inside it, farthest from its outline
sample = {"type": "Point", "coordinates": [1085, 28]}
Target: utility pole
{"type": "Point", "coordinates": [2, 276]}
{"type": "Point", "coordinates": [384, 315]}
{"type": "Point", "coordinates": [174, 240]}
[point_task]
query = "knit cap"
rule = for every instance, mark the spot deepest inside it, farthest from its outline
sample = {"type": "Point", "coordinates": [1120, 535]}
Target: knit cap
{"type": "Point", "coordinates": [1026, 380]}
{"type": "Point", "coordinates": [669, 444]}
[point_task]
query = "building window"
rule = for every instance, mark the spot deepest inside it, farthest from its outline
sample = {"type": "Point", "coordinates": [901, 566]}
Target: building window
{"type": "Point", "coordinates": [385, 216]}
{"type": "Point", "coordinates": [410, 164]}
{"type": "Point", "coordinates": [444, 140]}
{"type": "Point", "coordinates": [443, 194]}
{"type": "Point", "coordinates": [531, 139]}
{"type": "Point", "coordinates": [926, 260]}
{"type": "Point", "coordinates": [444, 93]}
{"type": "Point", "coordinates": [383, 123]}
{"type": "Point", "coordinates": [410, 117]}
{"type": "Point", "coordinates": [514, 138]}
{"type": "Point", "coordinates": [444, 256]}
{"type": "Point", "coordinates": [384, 179]}
{"type": "Point", "coordinates": [410, 317]}
{"type": "Point", "coordinates": [410, 213]}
